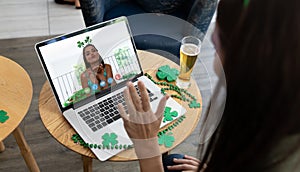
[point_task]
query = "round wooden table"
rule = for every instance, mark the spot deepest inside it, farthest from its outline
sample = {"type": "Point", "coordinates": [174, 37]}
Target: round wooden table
{"type": "Point", "coordinates": [15, 99]}
{"type": "Point", "coordinates": [62, 131]}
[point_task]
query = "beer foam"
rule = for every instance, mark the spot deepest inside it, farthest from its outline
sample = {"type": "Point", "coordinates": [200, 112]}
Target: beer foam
{"type": "Point", "coordinates": [190, 49]}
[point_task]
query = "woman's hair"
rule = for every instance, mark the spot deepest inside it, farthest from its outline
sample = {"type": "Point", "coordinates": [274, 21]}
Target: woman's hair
{"type": "Point", "coordinates": [229, 12]}
{"type": "Point", "coordinates": [262, 69]}
{"type": "Point", "coordinates": [87, 64]}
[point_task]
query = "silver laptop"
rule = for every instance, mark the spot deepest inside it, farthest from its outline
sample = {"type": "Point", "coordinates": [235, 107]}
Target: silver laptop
{"type": "Point", "coordinates": [88, 71]}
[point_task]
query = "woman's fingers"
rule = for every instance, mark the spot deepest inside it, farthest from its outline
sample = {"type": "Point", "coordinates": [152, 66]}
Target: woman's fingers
{"type": "Point", "coordinates": [144, 97]}
{"type": "Point", "coordinates": [128, 101]}
{"type": "Point", "coordinates": [161, 106]}
{"type": "Point", "coordinates": [191, 158]}
{"type": "Point", "coordinates": [183, 167]}
{"type": "Point", "coordinates": [136, 100]}
{"type": "Point", "coordinates": [122, 112]}
{"type": "Point", "coordinates": [186, 161]}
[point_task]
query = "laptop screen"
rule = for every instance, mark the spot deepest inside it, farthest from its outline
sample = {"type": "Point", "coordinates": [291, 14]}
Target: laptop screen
{"type": "Point", "coordinates": [90, 61]}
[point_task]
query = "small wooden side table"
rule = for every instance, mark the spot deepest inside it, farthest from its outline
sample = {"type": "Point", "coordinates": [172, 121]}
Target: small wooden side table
{"type": "Point", "coordinates": [15, 98]}
{"type": "Point", "coordinates": [62, 131]}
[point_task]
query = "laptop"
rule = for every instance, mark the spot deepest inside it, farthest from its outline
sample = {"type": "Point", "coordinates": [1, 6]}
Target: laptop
{"type": "Point", "coordinates": [87, 98]}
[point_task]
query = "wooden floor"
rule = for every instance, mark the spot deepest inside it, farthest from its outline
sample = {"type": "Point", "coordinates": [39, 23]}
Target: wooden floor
{"type": "Point", "coordinates": [49, 154]}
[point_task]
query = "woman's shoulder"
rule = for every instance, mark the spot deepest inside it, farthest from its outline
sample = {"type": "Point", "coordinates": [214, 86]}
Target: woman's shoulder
{"type": "Point", "coordinates": [84, 73]}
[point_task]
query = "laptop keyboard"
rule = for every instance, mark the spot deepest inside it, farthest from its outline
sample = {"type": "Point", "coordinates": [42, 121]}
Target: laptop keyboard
{"type": "Point", "coordinates": [101, 114]}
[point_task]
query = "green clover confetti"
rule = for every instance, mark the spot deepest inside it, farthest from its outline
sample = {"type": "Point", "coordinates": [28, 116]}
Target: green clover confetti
{"type": "Point", "coordinates": [166, 139]}
{"type": "Point", "coordinates": [165, 72]}
{"type": "Point", "coordinates": [109, 139]}
{"type": "Point", "coordinates": [168, 115]}
{"type": "Point", "coordinates": [194, 104]}
{"type": "Point", "coordinates": [3, 116]}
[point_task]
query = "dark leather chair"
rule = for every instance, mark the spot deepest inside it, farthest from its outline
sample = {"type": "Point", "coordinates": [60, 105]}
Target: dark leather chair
{"type": "Point", "coordinates": [156, 25]}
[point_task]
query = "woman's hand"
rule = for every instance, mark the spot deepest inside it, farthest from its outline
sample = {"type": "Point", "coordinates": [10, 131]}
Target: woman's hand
{"type": "Point", "coordinates": [142, 126]}
{"type": "Point", "coordinates": [141, 122]}
{"type": "Point", "coordinates": [99, 69]}
{"type": "Point", "coordinates": [189, 163]}
{"type": "Point", "coordinates": [92, 76]}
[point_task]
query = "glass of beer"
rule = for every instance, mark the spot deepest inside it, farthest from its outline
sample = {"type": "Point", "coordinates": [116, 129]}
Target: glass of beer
{"type": "Point", "coordinates": [189, 51]}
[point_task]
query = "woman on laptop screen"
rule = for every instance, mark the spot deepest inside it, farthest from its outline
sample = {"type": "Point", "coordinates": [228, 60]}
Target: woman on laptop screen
{"type": "Point", "coordinates": [98, 75]}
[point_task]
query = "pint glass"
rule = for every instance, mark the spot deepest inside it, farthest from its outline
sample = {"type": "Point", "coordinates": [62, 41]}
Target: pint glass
{"type": "Point", "coordinates": [189, 51]}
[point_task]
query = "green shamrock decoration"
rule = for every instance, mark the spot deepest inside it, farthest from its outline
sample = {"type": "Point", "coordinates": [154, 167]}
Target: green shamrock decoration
{"type": "Point", "coordinates": [88, 40]}
{"type": "Point", "coordinates": [165, 72]}
{"type": "Point", "coordinates": [194, 104]}
{"type": "Point", "coordinates": [3, 116]}
{"type": "Point", "coordinates": [81, 44]}
{"type": "Point", "coordinates": [168, 115]}
{"type": "Point", "coordinates": [109, 139]}
{"type": "Point", "coordinates": [166, 139]}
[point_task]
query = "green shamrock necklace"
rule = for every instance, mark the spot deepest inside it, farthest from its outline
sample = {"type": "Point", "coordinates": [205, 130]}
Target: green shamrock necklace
{"type": "Point", "coordinates": [110, 142]}
{"type": "Point", "coordinates": [182, 94]}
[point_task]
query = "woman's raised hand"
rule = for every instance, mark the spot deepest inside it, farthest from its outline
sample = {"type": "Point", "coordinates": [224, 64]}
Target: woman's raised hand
{"type": "Point", "coordinates": [141, 122]}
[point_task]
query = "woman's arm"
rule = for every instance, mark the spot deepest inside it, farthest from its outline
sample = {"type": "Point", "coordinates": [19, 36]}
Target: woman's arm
{"type": "Point", "coordinates": [109, 73]}
{"type": "Point", "coordinates": [142, 126]}
{"type": "Point", "coordinates": [151, 164]}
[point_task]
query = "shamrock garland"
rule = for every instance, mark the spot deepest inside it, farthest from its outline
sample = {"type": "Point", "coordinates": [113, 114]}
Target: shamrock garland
{"type": "Point", "coordinates": [165, 72]}
{"type": "Point", "coordinates": [81, 44]}
{"type": "Point", "coordinates": [168, 115]}
{"type": "Point", "coordinates": [3, 116]}
{"type": "Point", "coordinates": [194, 104]}
{"type": "Point", "coordinates": [110, 140]}
{"type": "Point", "coordinates": [182, 93]}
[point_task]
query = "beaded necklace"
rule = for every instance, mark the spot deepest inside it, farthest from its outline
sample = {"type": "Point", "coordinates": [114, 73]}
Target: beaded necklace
{"type": "Point", "coordinates": [182, 94]}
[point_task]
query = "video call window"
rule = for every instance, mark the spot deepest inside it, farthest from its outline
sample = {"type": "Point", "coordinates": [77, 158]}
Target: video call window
{"type": "Point", "coordinates": [83, 65]}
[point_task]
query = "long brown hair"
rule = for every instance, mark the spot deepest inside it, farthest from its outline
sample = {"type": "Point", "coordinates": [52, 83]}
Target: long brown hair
{"type": "Point", "coordinates": [262, 67]}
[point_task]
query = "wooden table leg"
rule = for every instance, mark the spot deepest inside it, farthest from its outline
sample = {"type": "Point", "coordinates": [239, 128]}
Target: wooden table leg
{"type": "Point", "coordinates": [2, 147]}
{"type": "Point", "coordinates": [25, 150]}
{"type": "Point", "coordinates": [87, 163]}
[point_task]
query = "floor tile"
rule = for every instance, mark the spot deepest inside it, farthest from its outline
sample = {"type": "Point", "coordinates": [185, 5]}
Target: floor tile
{"type": "Point", "coordinates": [23, 18]}
{"type": "Point", "coordinates": [64, 18]}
